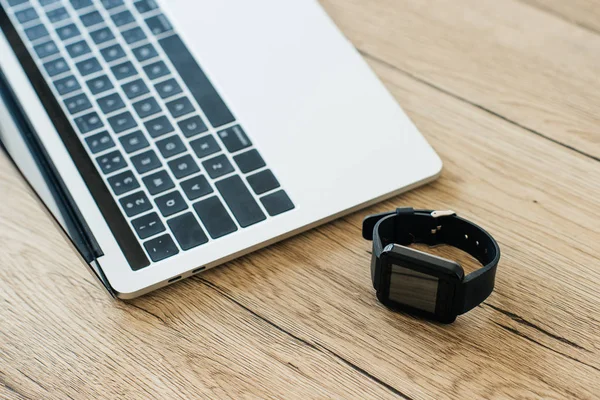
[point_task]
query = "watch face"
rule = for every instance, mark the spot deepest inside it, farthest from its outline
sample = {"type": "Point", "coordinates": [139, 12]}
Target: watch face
{"type": "Point", "coordinates": [412, 288]}
{"type": "Point", "coordinates": [419, 283]}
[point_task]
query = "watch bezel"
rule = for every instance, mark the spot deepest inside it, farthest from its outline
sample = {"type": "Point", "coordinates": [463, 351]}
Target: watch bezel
{"type": "Point", "coordinates": [449, 273]}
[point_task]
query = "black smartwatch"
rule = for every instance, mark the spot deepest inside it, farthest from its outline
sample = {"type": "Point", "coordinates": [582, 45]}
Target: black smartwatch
{"type": "Point", "coordinates": [422, 284]}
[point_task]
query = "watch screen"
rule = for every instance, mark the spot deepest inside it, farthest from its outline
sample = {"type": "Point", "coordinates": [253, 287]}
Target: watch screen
{"type": "Point", "coordinates": [413, 288]}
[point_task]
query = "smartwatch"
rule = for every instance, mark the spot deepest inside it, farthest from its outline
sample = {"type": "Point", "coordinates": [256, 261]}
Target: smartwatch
{"type": "Point", "coordinates": [423, 284]}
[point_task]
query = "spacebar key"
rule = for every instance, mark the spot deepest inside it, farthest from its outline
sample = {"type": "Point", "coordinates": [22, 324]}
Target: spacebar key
{"type": "Point", "coordinates": [203, 91]}
{"type": "Point", "coordinates": [240, 201]}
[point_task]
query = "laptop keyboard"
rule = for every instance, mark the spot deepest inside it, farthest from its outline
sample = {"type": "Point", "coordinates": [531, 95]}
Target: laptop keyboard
{"type": "Point", "coordinates": [180, 166]}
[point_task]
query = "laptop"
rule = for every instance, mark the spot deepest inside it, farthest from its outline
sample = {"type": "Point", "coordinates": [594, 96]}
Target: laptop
{"type": "Point", "coordinates": [170, 136]}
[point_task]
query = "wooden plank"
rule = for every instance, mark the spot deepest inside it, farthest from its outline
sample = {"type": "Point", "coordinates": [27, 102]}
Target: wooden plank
{"type": "Point", "coordinates": [505, 56]}
{"type": "Point", "coordinates": [62, 336]}
{"type": "Point", "coordinates": [585, 13]}
{"type": "Point", "coordinates": [536, 336]}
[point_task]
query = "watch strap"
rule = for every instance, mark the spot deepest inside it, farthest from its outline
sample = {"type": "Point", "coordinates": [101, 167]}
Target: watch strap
{"type": "Point", "coordinates": [406, 226]}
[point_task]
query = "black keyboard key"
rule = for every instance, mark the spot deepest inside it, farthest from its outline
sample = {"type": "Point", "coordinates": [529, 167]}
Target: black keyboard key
{"type": "Point", "coordinates": [240, 201]}
{"type": "Point", "coordinates": [171, 203]}
{"type": "Point", "coordinates": [180, 107]}
{"type": "Point", "coordinates": [110, 4]}
{"type": "Point", "coordinates": [66, 85]}
{"type": "Point", "coordinates": [215, 217]}
{"type": "Point", "coordinates": [99, 84]}
{"type": "Point", "coordinates": [218, 166]}
{"type": "Point", "coordinates": [112, 53]}
{"type": "Point", "coordinates": [156, 70]}
{"type": "Point", "coordinates": [124, 70]}
{"type": "Point", "coordinates": [160, 248]}
{"type": "Point", "coordinates": [122, 18]}
{"type": "Point", "coordinates": [145, 52]}
{"type": "Point", "coordinates": [102, 35]}
{"type": "Point", "coordinates": [203, 91]}
{"type": "Point", "coordinates": [46, 49]}
{"type": "Point", "coordinates": [135, 204]}
{"type": "Point", "coordinates": [56, 67]}
{"type": "Point", "coordinates": [26, 15]}
{"type": "Point", "coordinates": [277, 203]}
{"type": "Point", "coordinates": [36, 32]}
{"type": "Point", "coordinates": [78, 49]}
{"type": "Point", "coordinates": [134, 141]}
{"type": "Point", "coordinates": [158, 182]}
{"type": "Point", "coordinates": [145, 162]}
{"type": "Point", "coordinates": [192, 126]}
{"type": "Point", "coordinates": [249, 161]}
{"type": "Point", "coordinates": [183, 166]}
{"type": "Point", "coordinates": [143, 6]}
{"type": "Point", "coordinates": [111, 162]}
{"type": "Point", "coordinates": [148, 225]}
{"type": "Point", "coordinates": [159, 24]}
{"type": "Point", "coordinates": [110, 103]}
{"type": "Point", "coordinates": [77, 103]}
{"type": "Point", "coordinates": [168, 88]}
{"type": "Point", "coordinates": [79, 4]}
{"type": "Point", "coordinates": [123, 183]}
{"type": "Point", "coordinates": [91, 19]}
{"type": "Point", "coordinates": [135, 89]}
{"type": "Point", "coordinates": [205, 146]}
{"type": "Point", "coordinates": [263, 182]}
{"type": "Point", "coordinates": [187, 231]}
{"type": "Point", "coordinates": [158, 126]}
{"type": "Point", "coordinates": [196, 187]}
{"type": "Point", "coordinates": [147, 107]}
{"type": "Point", "coordinates": [170, 146]}
{"type": "Point", "coordinates": [234, 138]}
{"type": "Point", "coordinates": [89, 66]}
{"type": "Point", "coordinates": [133, 35]}
{"type": "Point", "coordinates": [67, 32]}
{"type": "Point", "coordinates": [58, 14]}
{"type": "Point", "coordinates": [122, 122]}
{"type": "Point", "coordinates": [99, 142]}
{"type": "Point", "coordinates": [88, 122]}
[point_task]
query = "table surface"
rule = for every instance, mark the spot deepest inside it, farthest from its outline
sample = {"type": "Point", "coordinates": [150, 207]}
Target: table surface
{"type": "Point", "coordinates": [508, 93]}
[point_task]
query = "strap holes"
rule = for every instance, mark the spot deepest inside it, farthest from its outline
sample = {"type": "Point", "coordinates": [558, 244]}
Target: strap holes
{"type": "Point", "coordinates": [466, 237]}
{"type": "Point", "coordinates": [477, 242]}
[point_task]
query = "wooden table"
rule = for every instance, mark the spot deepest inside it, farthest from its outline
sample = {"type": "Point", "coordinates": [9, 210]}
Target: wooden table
{"type": "Point", "coordinates": [508, 93]}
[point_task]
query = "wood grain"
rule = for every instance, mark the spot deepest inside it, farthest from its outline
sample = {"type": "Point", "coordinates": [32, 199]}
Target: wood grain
{"type": "Point", "coordinates": [299, 319]}
{"type": "Point", "coordinates": [526, 65]}
{"type": "Point", "coordinates": [585, 13]}
{"type": "Point", "coordinates": [62, 336]}
{"type": "Point", "coordinates": [532, 333]}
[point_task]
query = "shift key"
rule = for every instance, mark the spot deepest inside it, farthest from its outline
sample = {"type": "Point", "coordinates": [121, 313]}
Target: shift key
{"type": "Point", "coordinates": [240, 201]}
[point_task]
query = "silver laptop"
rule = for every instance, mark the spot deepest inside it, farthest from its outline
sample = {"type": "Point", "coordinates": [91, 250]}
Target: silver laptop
{"type": "Point", "coordinates": [168, 137]}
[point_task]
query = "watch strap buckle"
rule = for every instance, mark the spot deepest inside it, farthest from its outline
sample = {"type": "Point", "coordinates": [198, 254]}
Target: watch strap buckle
{"type": "Point", "coordinates": [437, 226]}
{"type": "Point", "coordinates": [442, 213]}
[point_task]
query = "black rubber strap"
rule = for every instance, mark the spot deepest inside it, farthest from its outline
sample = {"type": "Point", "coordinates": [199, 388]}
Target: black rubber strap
{"type": "Point", "coordinates": [406, 226]}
